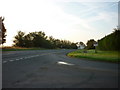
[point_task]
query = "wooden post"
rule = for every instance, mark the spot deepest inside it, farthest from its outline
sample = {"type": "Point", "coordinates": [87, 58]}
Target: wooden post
{"type": "Point", "coordinates": [95, 50]}
{"type": "Point", "coordinates": [95, 47]}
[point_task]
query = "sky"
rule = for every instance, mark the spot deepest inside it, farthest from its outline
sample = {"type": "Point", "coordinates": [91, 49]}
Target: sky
{"type": "Point", "coordinates": [74, 20]}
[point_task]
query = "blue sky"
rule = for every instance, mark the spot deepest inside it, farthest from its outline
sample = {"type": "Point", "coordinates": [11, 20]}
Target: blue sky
{"type": "Point", "coordinates": [88, 9]}
{"type": "Point", "coordinates": [63, 19]}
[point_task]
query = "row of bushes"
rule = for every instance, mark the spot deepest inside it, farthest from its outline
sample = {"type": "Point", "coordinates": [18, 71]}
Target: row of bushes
{"type": "Point", "coordinates": [40, 40]}
{"type": "Point", "coordinates": [110, 42]}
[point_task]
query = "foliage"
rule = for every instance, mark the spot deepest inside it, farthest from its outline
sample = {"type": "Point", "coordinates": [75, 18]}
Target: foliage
{"type": "Point", "coordinates": [90, 44]}
{"type": "Point", "coordinates": [110, 42]}
{"type": "Point", "coordinates": [19, 39]}
{"type": "Point", "coordinates": [40, 40]}
{"type": "Point", "coordinates": [81, 43]}
{"type": "Point", "coordinates": [2, 31]}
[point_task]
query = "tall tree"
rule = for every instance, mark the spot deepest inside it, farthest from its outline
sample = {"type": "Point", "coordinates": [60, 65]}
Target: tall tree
{"type": "Point", "coordinates": [2, 31]}
{"type": "Point", "coordinates": [90, 44]}
{"type": "Point", "coordinates": [52, 41]}
{"type": "Point", "coordinates": [28, 40]}
{"type": "Point", "coordinates": [19, 39]}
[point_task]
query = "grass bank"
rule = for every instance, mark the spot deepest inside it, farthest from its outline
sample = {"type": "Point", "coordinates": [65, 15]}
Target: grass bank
{"type": "Point", "coordinates": [19, 49]}
{"type": "Point", "coordinates": [109, 56]}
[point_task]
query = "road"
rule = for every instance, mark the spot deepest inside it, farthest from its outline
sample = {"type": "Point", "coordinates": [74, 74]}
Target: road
{"type": "Point", "coordinates": [53, 69]}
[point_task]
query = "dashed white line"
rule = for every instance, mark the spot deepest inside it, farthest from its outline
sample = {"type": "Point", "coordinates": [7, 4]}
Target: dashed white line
{"type": "Point", "coordinates": [17, 59]}
{"type": "Point", "coordinates": [20, 58]}
{"type": "Point", "coordinates": [4, 61]}
{"type": "Point", "coordinates": [11, 60]}
{"type": "Point", "coordinates": [23, 58]}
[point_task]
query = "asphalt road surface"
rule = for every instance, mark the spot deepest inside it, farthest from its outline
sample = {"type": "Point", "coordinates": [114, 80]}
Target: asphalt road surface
{"type": "Point", "coordinates": [53, 69]}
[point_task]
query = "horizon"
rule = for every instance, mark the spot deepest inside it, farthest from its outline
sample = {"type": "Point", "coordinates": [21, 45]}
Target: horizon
{"type": "Point", "coordinates": [74, 21]}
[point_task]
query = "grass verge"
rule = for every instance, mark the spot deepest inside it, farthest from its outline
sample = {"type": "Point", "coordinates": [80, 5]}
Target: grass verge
{"type": "Point", "coordinates": [109, 56]}
{"type": "Point", "coordinates": [19, 49]}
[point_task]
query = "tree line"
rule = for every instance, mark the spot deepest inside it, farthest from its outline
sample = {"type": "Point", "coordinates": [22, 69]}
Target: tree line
{"type": "Point", "coordinates": [111, 41]}
{"type": "Point", "coordinates": [40, 40]}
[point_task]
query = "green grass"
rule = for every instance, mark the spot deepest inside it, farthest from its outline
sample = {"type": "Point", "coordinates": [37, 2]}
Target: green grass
{"type": "Point", "coordinates": [19, 49]}
{"type": "Point", "coordinates": [110, 56]}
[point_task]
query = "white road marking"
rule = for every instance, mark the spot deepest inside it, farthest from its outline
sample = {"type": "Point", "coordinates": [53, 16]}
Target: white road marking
{"type": "Point", "coordinates": [17, 59]}
{"type": "Point", "coordinates": [21, 58]}
{"type": "Point", "coordinates": [65, 63]}
{"type": "Point", "coordinates": [11, 60]}
{"type": "Point", "coordinates": [4, 61]}
{"type": "Point", "coordinates": [26, 57]}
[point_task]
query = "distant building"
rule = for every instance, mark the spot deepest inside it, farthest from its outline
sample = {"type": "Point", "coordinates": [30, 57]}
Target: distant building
{"type": "Point", "coordinates": [80, 45]}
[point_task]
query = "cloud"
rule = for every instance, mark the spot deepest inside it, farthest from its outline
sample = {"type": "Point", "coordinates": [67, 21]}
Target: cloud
{"type": "Point", "coordinates": [46, 15]}
{"type": "Point", "coordinates": [104, 16]}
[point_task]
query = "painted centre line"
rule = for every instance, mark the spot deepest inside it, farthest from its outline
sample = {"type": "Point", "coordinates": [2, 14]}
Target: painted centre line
{"type": "Point", "coordinates": [22, 58]}
{"type": "Point", "coordinates": [17, 59]}
{"type": "Point", "coordinates": [11, 60]}
{"type": "Point", "coordinates": [26, 57]}
{"type": "Point", "coordinates": [4, 61]}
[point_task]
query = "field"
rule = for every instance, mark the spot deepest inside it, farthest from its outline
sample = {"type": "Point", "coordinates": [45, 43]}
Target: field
{"type": "Point", "coordinates": [109, 56]}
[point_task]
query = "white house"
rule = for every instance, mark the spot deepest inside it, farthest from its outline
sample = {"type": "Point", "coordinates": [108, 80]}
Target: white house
{"type": "Point", "coordinates": [80, 46]}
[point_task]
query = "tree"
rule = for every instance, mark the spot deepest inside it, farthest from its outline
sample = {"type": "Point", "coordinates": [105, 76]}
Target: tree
{"type": "Point", "coordinates": [19, 39]}
{"type": "Point", "coordinates": [33, 39]}
{"type": "Point", "coordinates": [2, 31]}
{"type": "Point", "coordinates": [111, 41]}
{"type": "Point", "coordinates": [90, 44]}
{"type": "Point", "coordinates": [57, 43]}
{"type": "Point", "coordinates": [28, 40]}
{"type": "Point", "coordinates": [81, 43]}
{"type": "Point", "coordinates": [73, 46]}
{"type": "Point", "coordinates": [52, 41]}
{"type": "Point", "coordinates": [39, 39]}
